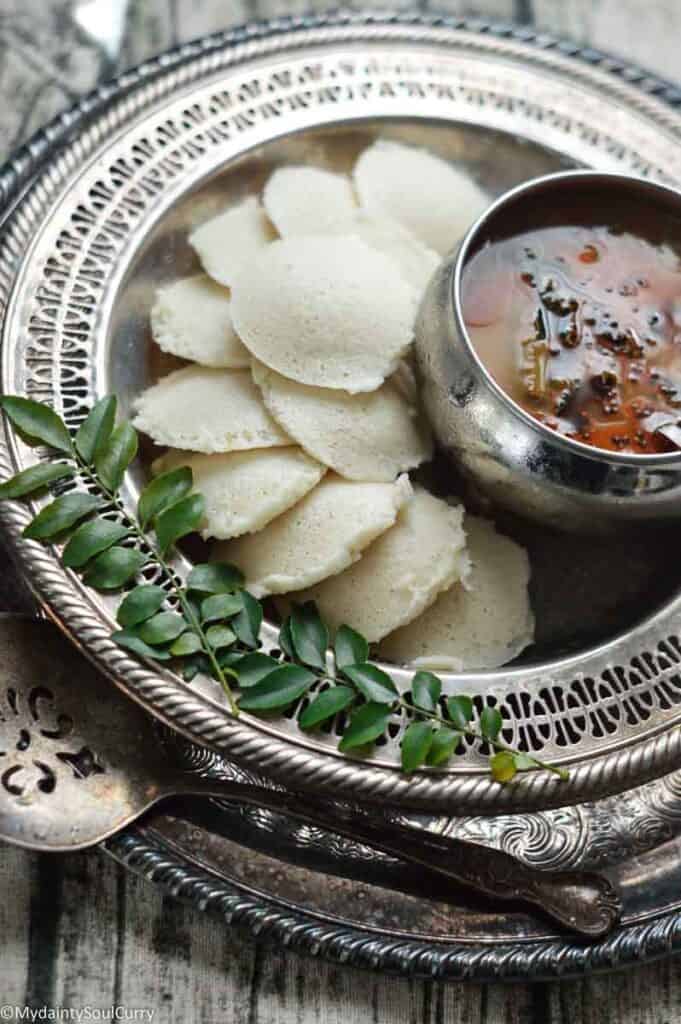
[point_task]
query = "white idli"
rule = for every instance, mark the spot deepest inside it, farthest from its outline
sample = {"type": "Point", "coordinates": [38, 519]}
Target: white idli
{"type": "Point", "coordinates": [207, 410]}
{"type": "Point", "coordinates": [325, 310]}
{"type": "Point", "coordinates": [321, 535]}
{"type": "Point", "coordinates": [483, 625]}
{"type": "Point", "coordinates": [372, 436]}
{"type": "Point", "coordinates": [402, 572]}
{"type": "Point", "coordinates": [191, 319]}
{"type": "Point", "coordinates": [433, 200]}
{"type": "Point", "coordinates": [312, 201]}
{"type": "Point", "coordinates": [244, 491]}
{"type": "Point", "coordinates": [230, 240]}
{"type": "Point", "coordinates": [309, 201]}
{"type": "Point", "coordinates": [417, 263]}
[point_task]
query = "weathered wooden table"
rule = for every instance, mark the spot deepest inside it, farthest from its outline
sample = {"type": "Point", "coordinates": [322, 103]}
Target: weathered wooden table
{"type": "Point", "coordinates": [79, 932]}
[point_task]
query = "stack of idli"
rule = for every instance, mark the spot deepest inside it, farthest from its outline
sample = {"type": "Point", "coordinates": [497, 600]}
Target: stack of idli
{"type": "Point", "coordinates": [298, 413]}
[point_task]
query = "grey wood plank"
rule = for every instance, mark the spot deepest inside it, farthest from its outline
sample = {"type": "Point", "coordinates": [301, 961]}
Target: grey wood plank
{"type": "Point", "coordinates": [48, 100]}
{"type": "Point", "coordinates": [42, 36]}
{"type": "Point", "coordinates": [154, 27]}
{"type": "Point", "coordinates": [183, 963]}
{"type": "Point", "coordinates": [16, 881]}
{"type": "Point", "coordinates": [119, 940]}
{"type": "Point", "coordinates": [641, 33]}
{"type": "Point", "coordinates": [649, 994]}
{"type": "Point", "coordinates": [149, 29]}
{"type": "Point", "coordinates": [502, 9]}
{"type": "Point", "coordinates": [292, 989]}
{"type": "Point", "coordinates": [44, 912]}
{"type": "Point", "coordinates": [275, 8]}
{"type": "Point", "coordinates": [25, 83]}
{"type": "Point", "coordinates": [45, 62]}
{"type": "Point", "coordinates": [87, 937]}
{"type": "Point", "coordinates": [194, 18]}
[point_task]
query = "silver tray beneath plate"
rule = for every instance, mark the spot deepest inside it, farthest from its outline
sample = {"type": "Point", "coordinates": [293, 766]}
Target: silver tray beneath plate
{"type": "Point", "coordinates": [104, 198]}
{"type": "Point", "coordinates": [324, 896]}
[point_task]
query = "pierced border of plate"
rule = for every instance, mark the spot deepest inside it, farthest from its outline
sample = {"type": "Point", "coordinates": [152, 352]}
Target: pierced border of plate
{"type": "Point", "coordinates": [598, 706]}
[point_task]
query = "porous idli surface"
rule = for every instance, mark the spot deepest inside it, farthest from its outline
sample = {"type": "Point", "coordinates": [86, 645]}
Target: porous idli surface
{"type": "Point", "coordinates": [244, 491]}
{"type": "Point", "coordinates": [483, 625]}
{"type": "Point", "coordinates": [326, 310]}
{"type": "Point", "coordinates": [429, 197]}
{"type": "Point", "coordinates": [312, 201]}
{"type": "Point", "coordinates": [400, 574]}
{"type": "Point", "coordinates": [372, 436]}
{"type": "Point", "coordinates": [320, 536]}
{"type": "Point", "coordinates": [417, 263]}
{"type": "Point", "coordinates": [191, 319]}
{"type": "Point", "coordinates": [227, 242]}
{"type": "Point", "coordinates": [207, 410]}
{"type": "Point", "coordinates": [309, 201]}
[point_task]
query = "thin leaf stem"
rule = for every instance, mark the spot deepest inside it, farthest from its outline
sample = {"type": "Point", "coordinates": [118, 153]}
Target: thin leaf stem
{"type": "Point", "coordinates": [469, 732]}
{"type": "Point", "coordinates": [190, 615]}
{"type": "Point", "coordinates": [476, 735]}
{"type": "Point", "coordinates": [179, 592]}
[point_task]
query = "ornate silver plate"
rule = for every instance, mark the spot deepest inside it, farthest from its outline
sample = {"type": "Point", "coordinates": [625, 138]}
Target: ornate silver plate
{"type": "Point", "coordinates": [102, 203]}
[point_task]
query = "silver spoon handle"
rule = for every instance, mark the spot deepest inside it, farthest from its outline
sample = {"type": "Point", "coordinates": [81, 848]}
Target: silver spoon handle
{"type": "Point", "coordinates": [583, 902]}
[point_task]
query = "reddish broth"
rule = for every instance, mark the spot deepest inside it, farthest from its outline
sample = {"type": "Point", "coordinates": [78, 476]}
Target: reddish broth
{"type": "Point", "coordinates": [581, 326]}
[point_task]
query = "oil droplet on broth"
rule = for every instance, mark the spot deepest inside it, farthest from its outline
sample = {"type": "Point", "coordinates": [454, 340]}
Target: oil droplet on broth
{"type": "Point", "coordinates": [581, 326]}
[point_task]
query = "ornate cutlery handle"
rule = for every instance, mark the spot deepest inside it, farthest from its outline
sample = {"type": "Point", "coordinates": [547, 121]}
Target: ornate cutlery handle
{"type": "Point", "coordinates": [583, 902]}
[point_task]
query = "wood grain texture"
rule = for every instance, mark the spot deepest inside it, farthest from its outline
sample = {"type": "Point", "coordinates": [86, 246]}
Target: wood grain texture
{"type": "Point", "coordinates": [16, 883]}
{"type": "Point", "coordinates": [644, 33]}
{"type": "Point", "coordinates": [502, 9]}
{"type": "Point", "coordinates": [78, 930]}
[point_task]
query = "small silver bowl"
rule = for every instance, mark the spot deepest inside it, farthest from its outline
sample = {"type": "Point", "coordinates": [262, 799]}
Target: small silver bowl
{"type": "Point", "coordinates": [511, 457]}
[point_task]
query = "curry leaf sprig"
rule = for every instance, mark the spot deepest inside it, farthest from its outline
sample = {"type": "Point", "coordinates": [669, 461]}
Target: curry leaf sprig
{"type": "Point", "coordinates": [367, 697]}
{"type": "Point", "coordinates": [109, 553]}
{"type": "Point", "coordinates": [210, 623]}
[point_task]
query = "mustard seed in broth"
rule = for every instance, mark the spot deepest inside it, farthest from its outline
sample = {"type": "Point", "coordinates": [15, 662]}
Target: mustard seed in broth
{"type": "Point", "coordinates": [581, 326]}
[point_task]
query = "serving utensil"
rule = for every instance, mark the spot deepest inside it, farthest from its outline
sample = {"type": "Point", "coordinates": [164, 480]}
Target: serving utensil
{"type": "Point", "coordinates": [513, 458]}
{"type": "Point", "coordinates": [79, 762]}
